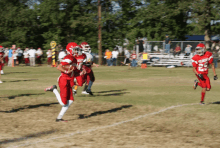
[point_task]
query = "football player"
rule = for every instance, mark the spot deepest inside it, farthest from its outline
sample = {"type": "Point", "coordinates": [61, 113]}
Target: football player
{"type": "Point", "coordinates": [79, 79]}
{"type": "Point", "coordinates": [200, 63]}
{"type": "Point", "coordinates": [1, 61]}
{"type": "Point", "coordinates": [87, 65]}
{"type": "Point", "coordinates": [65, 80]}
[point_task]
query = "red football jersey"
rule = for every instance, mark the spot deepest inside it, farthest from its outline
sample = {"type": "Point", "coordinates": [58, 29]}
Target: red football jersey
{"type": "Point", "coordinates": [134, 56]}
{"type": "Point", "coordinates": [68, 60]}
{"type": "Point", "coordinates": [80, 59]}
{"type": "Point", "coordinates": [1, 57]}
{"type": "Point", "coordinates": [202, 62]}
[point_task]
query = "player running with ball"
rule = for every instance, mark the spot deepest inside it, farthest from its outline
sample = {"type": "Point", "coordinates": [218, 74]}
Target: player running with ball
{"type": "Point", "coordinates": [79, 79]}
{"type": "Point", "coordinates": [68, 69]}
{"type": "Point", "coordinates": [200, 63]}
{"type": "Point", "coordinates": [1, 62]}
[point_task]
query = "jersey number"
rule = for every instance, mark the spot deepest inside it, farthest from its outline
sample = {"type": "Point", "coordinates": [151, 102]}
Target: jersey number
{"type": "Point", "coordinates": [203, 67]}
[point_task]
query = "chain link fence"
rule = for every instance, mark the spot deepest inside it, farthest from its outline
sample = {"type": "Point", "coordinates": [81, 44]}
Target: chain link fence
{"type": "Point", "coordinates": [153, 47]}
{"type": "Point", "coordinates": [149, 46]}
{"type": "Point", "coordinates": [159, 46]}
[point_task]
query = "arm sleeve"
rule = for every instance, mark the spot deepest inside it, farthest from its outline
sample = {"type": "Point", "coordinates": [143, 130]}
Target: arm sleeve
{"type": "Point", "coordinates": [194, 62]}
{"type": "Point", "coordinates": [65, 61]}
{"type": "Point", "coordinates": [211, 58]}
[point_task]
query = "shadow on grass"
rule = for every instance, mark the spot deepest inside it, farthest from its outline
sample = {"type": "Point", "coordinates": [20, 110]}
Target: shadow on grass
{"type": "Point", "coordinates": [14, 72]}
{"type": "Point", "coordinates": [113, 94]}
{"type": "Point", "coordinates": [21, 95]}
{"type": "Point", "coordinates": [83, 116]}
{"type": "Point", "coordinates": [23, 80]}
{"type": "Point", "coordinates": [6, 141]}
{"type": "Point", "coordinates": [120, 90]}
{"type": "Point", "coordinates": [28, 107]}
{"type": "Point", "coordinates": [217, 102]}
{"type": "Point", "coordinates": [110, 93]}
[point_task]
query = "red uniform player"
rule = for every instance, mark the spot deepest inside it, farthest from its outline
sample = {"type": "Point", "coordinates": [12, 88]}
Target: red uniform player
{"type": "Point", "coordinates": [1, 62]}
{"type": "Point", "coordinates": [65, 80]}
{"type": "Point", "coordinates": [80, 79]}
{"type": "Point", "coordinates": [200, 63]}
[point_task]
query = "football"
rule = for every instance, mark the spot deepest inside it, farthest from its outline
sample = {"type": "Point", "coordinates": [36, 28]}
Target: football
{"type": "Point", "coordinates": [67, 67]}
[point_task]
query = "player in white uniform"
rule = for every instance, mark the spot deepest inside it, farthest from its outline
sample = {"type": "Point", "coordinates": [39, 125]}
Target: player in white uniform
{"type": "Point", "coordinates": [87, 64]}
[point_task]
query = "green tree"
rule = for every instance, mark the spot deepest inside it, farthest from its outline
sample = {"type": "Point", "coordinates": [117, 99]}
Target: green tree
{"type": "Point", "coordinates": [160, 17]}
{"type": "Point", "coordinates": [204, 13]}
{"type": "Point", "coordinates": [17, 23]}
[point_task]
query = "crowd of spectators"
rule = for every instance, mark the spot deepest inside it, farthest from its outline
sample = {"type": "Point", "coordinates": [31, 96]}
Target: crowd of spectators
{"type": "Point", "coordinates": [111, 57]}
{"type": "Point", "coordinates": [29, 56]}
{"type": "Point", "coordinates": [15, 56]}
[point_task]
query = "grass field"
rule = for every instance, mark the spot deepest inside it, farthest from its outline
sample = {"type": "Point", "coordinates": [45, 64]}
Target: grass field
{"type": "Point", "coordinates": [27, 113]}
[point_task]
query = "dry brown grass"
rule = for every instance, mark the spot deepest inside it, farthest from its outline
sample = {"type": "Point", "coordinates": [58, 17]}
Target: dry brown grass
{"type": "Point", "coordinates": [28, 114]}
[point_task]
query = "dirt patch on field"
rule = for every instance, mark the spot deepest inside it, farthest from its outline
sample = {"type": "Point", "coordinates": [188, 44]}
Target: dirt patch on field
{"type": "Point", "coordinates": [92, 124]}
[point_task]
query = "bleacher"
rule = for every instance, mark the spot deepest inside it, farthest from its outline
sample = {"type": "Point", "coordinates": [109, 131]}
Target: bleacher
{"type": "Point", "coordinates": [170, 60]}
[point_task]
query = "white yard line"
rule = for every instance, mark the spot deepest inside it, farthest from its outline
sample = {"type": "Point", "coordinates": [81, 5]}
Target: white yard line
{"type": "Point", "coordinates": [101, 127]}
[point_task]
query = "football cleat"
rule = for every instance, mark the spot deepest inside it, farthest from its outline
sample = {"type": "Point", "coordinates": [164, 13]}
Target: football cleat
{"type": "Point", "coordinates": [85, 93]}
{"type": "Point", "coordinates": [195, 84]}
{"type": "Point", "coordinates": [202, 103]}
{"type": "Point", "coordinates": [59, 120]}
{"type": "Point", "coordinates": [89, 91]}
{"type": "Point", "coordinates": [51, 88]}
{"type": "Point", "coordinates": [74, 92]}
{"type": "Point", "coordinates": [2, 72]}
{"type": "Point", "coordinates": [1, 81]}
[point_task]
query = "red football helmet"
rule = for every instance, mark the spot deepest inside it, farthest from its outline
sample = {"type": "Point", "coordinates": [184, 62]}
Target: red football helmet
{"type": "Point", "coordinates": [85, 47]}
{"type": "Point", "coordinates": [72, 48]}
{"type": "Point", "coordinates": [200, 49]}
{"type": "Point", "coordinates": [1, 48]}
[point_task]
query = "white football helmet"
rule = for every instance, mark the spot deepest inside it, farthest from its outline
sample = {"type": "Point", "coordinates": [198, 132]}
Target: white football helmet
{"type": "Point", "coordinates": [85, 47]}
{"type": "Point", "coordinates": [200, 49]}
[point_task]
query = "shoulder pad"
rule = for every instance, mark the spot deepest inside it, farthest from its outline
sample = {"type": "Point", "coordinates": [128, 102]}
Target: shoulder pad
{"type": "Point", "coordinates": [208, 53]}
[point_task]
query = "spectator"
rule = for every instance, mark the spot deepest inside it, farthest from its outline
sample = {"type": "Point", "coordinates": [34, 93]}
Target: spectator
{"type": "Point", "coordinates": [10, 57]}
{"type": "Point", "coordinates": [215, 51]}
{"type": "Point", "coordinates": [108, 55]}
{"type": "Point", "coordinates": [215, 45]}
{"type": "Point", "coordinates": [145, 57]}
{"type": "Point", "coordinates": [115, 56]}
{"type": "Point", "coordinates": [1, 60]}
{"type": "Point", "coordinates": [39, 53]}
{"type": "Point", "coordinates": [156, 48]}
{"type": "Point", "coordinates": [6, 55]}
{"type": "Point", "coordinates": [61, 55]}
{"type": "Point", "coordinates": [14, 54]}
{"type": "Point", "coordinates": [193, 52]}
{"type": "Point", "coordinates": [127, 57]}
{"type": "Point", "coordinates": [49, 57]}
{"type": "Point", "coordinates": [177, 50]}
{"type": "Point", "coordinates": [32, 54]}
{"type": "Point", "coordinates": [188, 50]}
{"type": "Point", "coordinates": [19, 55]}
{"type": "Point", "coordinates": [26, 56]}
{"type": "Point", "coordinates": [167, 44]}
{"type": "Point", "coordinates": [140, 43]}
{"type": "Point", "coordinates": [215, 57]}
{"type": "Point", "coordinates": [133, 59]}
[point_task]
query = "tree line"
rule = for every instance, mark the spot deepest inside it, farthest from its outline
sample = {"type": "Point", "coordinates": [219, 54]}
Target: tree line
{"type": "Point", "coordinates": [35, 23]}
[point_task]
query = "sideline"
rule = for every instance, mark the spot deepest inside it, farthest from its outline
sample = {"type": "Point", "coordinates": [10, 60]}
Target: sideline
{"type": "Point", "coordinates": [102, 127]}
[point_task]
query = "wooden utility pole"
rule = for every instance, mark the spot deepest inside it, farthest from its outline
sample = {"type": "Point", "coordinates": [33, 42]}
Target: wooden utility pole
{"type": "Point", "coordinates": [99, 33]}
